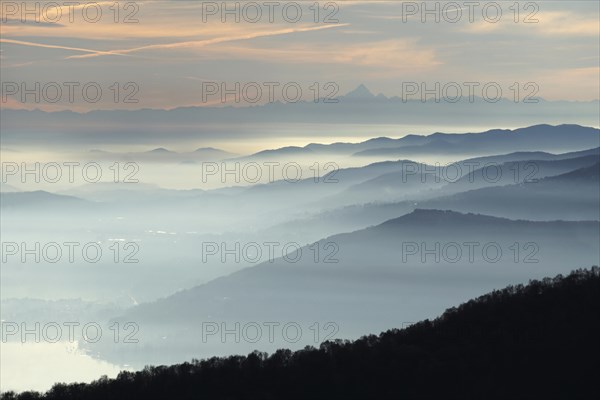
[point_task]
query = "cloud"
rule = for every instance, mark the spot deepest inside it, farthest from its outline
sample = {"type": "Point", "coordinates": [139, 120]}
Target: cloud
{"type": "Point", "coordinates": [207, 42]}
{"type": "Point", "coordinates": [568, 23]}
{"type": "Point", "coordinates": [550, 23]}
{"type": "Point", "coordinates": [393, 54]}
{"type": "Point", "coordinates": [18, 22]}
{"type": "Point", "coordinates": [580, 83]}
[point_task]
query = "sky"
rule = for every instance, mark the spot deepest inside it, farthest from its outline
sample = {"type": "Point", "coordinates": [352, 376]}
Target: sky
{"type": "Point", "coordinates": [168, 54]}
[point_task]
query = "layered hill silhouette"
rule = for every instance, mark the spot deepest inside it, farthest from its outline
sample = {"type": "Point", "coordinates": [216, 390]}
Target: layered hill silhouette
{"type": "Point", "coordinates": [414, 243]}
{"type": "Point", "coordinates": [526, 341]}
{"type": "Point", "coordinates": [517, 172]}
{"type": "Point", "coordinates": [558, 138]}
{"type": "Point", "coordinates": [422, 258]}
{"type": "Point", "coordinates": [419, 181]}
{"type": "Point", "coordinates": [389, 181]}
{"type": "Point", "coordinates": [494, 141]}
{"type": "Point", "coordinates": [533, 155]}
{"type": "Point", "coordinates": [572, 195]}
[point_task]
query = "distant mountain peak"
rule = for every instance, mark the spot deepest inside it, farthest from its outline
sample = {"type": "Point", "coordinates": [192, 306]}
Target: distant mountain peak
{"type": "Point", "coordinates": [380, 139]}
{"type": "Point", "coordinates": [361, 92]}
{"type": "Point", "coordinates": [159, 150]}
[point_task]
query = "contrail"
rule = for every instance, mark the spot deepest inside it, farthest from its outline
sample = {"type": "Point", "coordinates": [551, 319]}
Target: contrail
{"type": "Point", "coordinates": [52, 46]}
{"type": "Point", "coordinates": [196, 43]}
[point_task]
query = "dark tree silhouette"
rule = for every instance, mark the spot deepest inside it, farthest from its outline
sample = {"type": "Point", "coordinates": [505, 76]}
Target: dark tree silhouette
{"type": "Point", "coordinates": [538, 341]}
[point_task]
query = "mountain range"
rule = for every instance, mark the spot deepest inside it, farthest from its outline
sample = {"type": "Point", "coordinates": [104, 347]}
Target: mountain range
{"type": "Point", "coordinates": [148, 126]}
